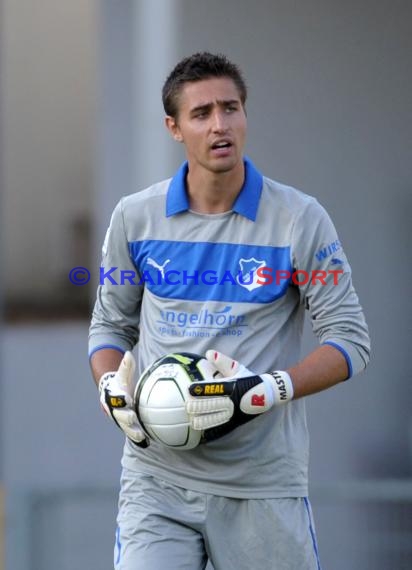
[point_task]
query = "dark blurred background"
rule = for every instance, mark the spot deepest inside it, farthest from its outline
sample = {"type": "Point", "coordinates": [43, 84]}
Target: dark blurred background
{"type": "Point", "coordinates": [81, 124]}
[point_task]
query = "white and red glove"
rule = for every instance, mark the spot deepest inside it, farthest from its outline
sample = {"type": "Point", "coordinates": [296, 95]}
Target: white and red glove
{"type": "Point", "coordinates": [116, 397]}
{"type": "Point", "coordinates": [219, 406]}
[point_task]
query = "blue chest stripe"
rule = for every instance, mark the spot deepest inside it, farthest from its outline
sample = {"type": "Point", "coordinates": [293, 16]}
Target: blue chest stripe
{"type": "Point", "coordinates": [203, 271]}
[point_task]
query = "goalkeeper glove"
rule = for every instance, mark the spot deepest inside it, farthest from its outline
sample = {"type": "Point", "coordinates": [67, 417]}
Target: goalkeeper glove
{"type": "Point", "coordinates": [116, 398]}
{"type": "Point", "coordinates": [218, 407]}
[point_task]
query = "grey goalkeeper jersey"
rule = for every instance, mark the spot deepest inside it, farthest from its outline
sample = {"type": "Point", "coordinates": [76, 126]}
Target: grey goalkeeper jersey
{"type": "Point", "coordinates": [174, 280]}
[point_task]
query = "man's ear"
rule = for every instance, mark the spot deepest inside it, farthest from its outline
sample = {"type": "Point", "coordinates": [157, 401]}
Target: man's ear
{"type": "Point", "coordinates": [173, 128]}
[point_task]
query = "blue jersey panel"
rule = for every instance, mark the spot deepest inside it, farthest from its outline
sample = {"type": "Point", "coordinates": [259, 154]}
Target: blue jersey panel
{"type": "Point", "coordinates": [204, 271]}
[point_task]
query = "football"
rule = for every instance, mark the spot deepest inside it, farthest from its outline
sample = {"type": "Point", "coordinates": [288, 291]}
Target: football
{"type": "Point", "coordinates": [160, 397]}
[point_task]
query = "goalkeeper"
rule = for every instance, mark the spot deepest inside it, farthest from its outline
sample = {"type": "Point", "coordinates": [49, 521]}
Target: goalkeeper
{"type": "Point", "coordinates": [240, 499]}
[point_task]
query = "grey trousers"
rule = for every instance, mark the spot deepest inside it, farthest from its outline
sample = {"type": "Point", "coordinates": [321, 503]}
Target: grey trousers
{"type": "Point", "coordinates": [164, 527]}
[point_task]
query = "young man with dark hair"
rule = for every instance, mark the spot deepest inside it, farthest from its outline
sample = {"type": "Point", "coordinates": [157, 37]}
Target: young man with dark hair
{"type": "Point", "coordinates": [238, 500]}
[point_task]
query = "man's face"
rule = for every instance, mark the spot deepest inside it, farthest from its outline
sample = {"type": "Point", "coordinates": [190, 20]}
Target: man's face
{"type": "Point", "coordinates": [211, 123]}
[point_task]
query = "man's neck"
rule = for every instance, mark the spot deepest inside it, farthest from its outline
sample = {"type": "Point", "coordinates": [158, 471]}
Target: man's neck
{"type": "Point", "coordinates": [214, 193]}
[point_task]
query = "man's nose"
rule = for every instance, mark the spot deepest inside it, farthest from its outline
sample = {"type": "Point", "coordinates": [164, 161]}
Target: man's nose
{"type": "Point", "coordinates": [219, 122]}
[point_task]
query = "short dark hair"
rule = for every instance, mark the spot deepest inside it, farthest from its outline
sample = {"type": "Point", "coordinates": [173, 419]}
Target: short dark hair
{"type": "Point", "coordinates": [199, 66]}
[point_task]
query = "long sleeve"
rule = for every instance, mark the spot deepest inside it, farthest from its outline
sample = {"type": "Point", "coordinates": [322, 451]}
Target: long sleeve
{"type": "Point", "coordinates": [116, 314]}
{"type": "Point", "coordinates": [336, 315]}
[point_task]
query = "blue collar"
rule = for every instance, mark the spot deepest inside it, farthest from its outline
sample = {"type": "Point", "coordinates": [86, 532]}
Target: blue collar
{"type": "Point", "coordinates": [246, 204]}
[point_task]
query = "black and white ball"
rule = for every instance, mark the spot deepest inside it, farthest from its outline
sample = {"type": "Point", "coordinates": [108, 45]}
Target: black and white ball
{"type": "Point", "coordinates": [160, 397]}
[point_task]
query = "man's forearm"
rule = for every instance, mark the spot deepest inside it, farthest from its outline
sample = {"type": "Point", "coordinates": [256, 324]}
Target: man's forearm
{"type": "Point", "coordinates": [321, 369]}
{"type": "Point", "coordinates": [105, 360]}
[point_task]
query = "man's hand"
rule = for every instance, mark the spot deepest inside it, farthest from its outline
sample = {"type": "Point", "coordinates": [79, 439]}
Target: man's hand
{"type": "Point", "coordinates": [236, 399]}
{"type": "Point", "coordinates": [116, 398]}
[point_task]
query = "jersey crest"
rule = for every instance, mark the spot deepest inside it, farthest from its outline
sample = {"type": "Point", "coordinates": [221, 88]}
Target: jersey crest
{"type": "Point", "coordinates": [248, 276]}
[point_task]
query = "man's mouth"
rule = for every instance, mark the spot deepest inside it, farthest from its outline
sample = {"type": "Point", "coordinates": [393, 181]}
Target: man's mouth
{"type": "Point", "coordinates": [221, 145]}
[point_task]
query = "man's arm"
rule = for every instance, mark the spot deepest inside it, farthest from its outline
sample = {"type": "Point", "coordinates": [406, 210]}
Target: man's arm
{"type": "Point", "coordinates": [103, 361]}
{"type": "Point", "coordinates": [321, 369]}
{"type": "Point", "coordinates": [219, 406]}
{"type": "Point", "coordinates": [333, 306]}
{"type": "Point", "coordinates": [116, 313]}
{"type": "Point", "coordinates": [114, 331]}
